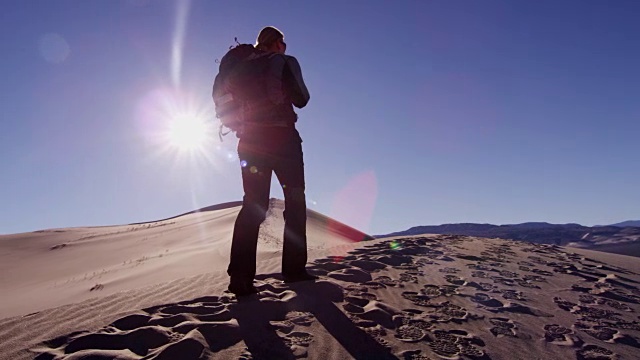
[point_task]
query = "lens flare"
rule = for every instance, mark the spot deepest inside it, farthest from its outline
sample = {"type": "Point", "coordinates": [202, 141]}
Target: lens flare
{"type": "Point", "coordinates": [54, 48]}
{"type": "Point", "coordinates": [394, 245]}
{"type": "Point", "coordinates": [355, 203]}
{"type": "Point", "coordinates": [182, 13]}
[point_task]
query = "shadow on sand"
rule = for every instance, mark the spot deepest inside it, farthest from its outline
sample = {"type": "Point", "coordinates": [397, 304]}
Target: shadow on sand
{"type": "Point", "coordinates": [255, 314]}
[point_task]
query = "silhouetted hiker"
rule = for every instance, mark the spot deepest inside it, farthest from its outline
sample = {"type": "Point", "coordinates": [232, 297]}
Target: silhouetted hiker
{"type": "Point", "coordinates": [269, 143]}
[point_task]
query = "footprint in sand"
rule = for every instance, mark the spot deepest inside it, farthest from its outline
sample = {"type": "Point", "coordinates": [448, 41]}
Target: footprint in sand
{"type": "Point", "coordinates": [371, 310]}
{"type": "Point", "coordinates": [502, 327]}
{"type": "Point", "coordinates": [564, 304]}
{"type": "Point", "coordinates": [298, 342]}
{"type": "Point", "coordinates": [394, 259]}
{"type": "Point", "coordinates": [593, 300]}
{"type": "Point", "coordinates": [455, 280]}
{"type": "Point", "coordinates": [483, 286]}
{"type": "Point", "coordinates": [512, 294]}
{"type": "Point", "coordinates": [589, 313]}
{"type": "Point", "coordinates": [534, 278]}
{"type": "Point", "coordinates": [138, 341]}
{"type": "Point", "coordinates": [497, 264]}
{"type": "Point", "coordinates": [410, 333]}
{"type": "Point", "coordinates": [507, 274]}
{"type": "Point", "coordinates": [493, 260]}
{"type": "Point", "coordinates": [362, 292]}
{"type": "Point", "coordinates": [414, 318]}
{"type": "Point", "coordinates": [537, 260]}
{"type": "Point", "coordinates": [431, 291]}
{"type": "Point", "coordinates": [508, 307]}
{"type": "Point", "coordinates": [456, 343]}
{"type": "Point", "coordinates": [387, 281]}
{"type": "Point", "coordinates": [300, 318]}
{"type": "Point", "coordinates": [602, 333]}
{"type": "Point", "coordinates": [416, 298]}
{"type": "Point", "coordinates": [357, 301]}
{"type": "Point", "coordinates": [486, 300]}
{"type": "Point", "coordinates": [479, 267]}
{"type": "Point", "coordinates": [410, 277]}
{"type": "Point", "coordinates": [410, 267]}
{"type": "Point", "coordinates": [376, 331]}
{"type": "Point", "coordinates": [374, 285]}
{"type": "Point", "coordinates": [180, 330]}
{"type": "Point", "coordinates": [617, 305]}
{"type": "Point", "coordinates": [283, 326]}
{"type": "Point", "coordinates": [480, 274]}
{"type": "Point", "coordinates": [503, 281]}
{"type": "Point", "coordinates": [414, 355]}
{"type": "Point", "coordinates": [594, 352]}
{"type": "Point", "coordinates": [542, 272]}
{"type": "Point", "coordinates": [449, 290]}
{"type": "Point", "coordinates": [446, 312]}
{"type": "Point", "coordinates": [424, 262]}
{"type": "Point", "coordinates": [131, 322]}
{"type": "Point", "coordinates": [168, 320]}
{"type": "Point", "coordinates": [608, 332]}
{"type": "Point", "coordinates": [560, 335]}
{"type": "Point", "coordinates": [527, 284]}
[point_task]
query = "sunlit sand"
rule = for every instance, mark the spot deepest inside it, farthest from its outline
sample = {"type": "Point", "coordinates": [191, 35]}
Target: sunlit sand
{"type": "Point", "coordinates": [157, 291]}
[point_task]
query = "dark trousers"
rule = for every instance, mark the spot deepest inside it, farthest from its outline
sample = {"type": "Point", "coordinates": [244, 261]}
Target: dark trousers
{"type": "Point", "coordinates": [257, 164]}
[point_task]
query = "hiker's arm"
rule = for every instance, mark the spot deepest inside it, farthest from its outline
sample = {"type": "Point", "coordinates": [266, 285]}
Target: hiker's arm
{"type": "Point", "coordinates": [299, 93]}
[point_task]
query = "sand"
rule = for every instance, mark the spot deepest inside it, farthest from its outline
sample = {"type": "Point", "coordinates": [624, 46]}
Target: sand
{"type": "Point", "coordinates": [157, 291]}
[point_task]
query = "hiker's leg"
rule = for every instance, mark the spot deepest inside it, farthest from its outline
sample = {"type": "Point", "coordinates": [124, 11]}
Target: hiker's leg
{"type": "Point", "coordinates": [256, 181]}
{"type": "Point", "coordinates": [290, 173]}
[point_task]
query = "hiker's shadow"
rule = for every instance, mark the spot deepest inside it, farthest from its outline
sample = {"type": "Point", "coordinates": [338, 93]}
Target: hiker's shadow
{"type": "Point", "coordinates": [255, 313]}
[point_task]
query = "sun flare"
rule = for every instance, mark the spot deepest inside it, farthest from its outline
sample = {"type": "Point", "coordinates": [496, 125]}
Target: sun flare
{"type": "Point", "coordinates": [180, 127]}
{"type": "Point", "coordinates": [188, 132]}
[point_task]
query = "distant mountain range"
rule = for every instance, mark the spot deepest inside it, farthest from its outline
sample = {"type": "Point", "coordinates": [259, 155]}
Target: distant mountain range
{"type": "Point", "coordinates": [621, 238]}
{"type": "Point", "coordinates": [630, 223]}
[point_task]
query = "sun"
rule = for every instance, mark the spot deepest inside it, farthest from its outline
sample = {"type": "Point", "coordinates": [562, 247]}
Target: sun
{"type": "Point", "coordinates": [179, 126]}
{"type": "Point", "coordinates": [188, 132]}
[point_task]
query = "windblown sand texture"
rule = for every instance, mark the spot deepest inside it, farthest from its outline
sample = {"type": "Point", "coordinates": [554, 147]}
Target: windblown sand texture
{"type": "Point", "coordinates": [418, 297]}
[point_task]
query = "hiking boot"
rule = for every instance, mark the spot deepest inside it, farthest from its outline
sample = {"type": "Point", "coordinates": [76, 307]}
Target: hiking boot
{"type": "Point", "coordinates": [303, 276]}
{"type": "Point", "coordinates": [242, 289]}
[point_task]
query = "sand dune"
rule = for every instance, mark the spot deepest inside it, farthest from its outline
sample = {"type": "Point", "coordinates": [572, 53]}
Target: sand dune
{"type": "Point", "coordinates": [70, 265]}
{"type": "Point", "coordinates": [414, 297]}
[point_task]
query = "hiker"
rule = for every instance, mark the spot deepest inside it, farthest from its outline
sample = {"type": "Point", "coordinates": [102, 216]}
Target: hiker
{"type": "Point", "coordinates": [269, 143]}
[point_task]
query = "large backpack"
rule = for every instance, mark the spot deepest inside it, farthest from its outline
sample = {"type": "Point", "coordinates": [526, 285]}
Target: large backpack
{"type": "Point", "coordinates": [238, 87]}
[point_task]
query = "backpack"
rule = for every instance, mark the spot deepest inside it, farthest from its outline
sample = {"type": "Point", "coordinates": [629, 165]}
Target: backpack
{"type": "Point", "coordinates": [237, 88]}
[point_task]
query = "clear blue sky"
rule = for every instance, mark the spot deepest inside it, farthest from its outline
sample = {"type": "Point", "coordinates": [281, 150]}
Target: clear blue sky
{"type": "Point", "coordinates": [421, 112]}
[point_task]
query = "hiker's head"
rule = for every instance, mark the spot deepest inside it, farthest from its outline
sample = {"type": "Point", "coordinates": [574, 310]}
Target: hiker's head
{"type": "Point", "coordinates": [271, 39]}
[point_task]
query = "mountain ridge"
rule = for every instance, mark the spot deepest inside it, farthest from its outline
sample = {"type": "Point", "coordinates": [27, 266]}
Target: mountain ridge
{"type": "Point", "coordinates": [609, 238]}
{"type": "Point", "coordinates": [628, 223]}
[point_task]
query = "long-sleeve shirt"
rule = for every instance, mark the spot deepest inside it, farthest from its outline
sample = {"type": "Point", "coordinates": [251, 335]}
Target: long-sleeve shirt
{"type": "Point", "coordinates": [285, 83]}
